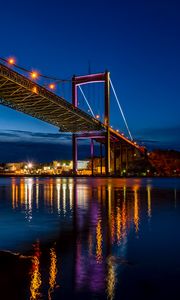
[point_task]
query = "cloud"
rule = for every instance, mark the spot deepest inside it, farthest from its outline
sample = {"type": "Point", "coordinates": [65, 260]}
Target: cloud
{"type": "Point", "coordinates": [39, 152]}
{"type": "Point", "coordinates": [35, 137]}
{"type": "Point", "coordinates": [163, 132]}
{"type": "Point", "coordinates": [19, 145]}
{"type": "Point", "coordinates": [165, 137]}
{"type": "Point", "coordinates": [24, 151]}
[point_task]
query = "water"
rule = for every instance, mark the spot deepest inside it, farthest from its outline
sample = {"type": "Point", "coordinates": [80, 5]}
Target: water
{"type": "Point", "coordinates": [64, 238]}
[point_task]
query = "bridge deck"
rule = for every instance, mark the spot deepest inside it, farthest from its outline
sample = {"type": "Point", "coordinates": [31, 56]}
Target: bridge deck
{"type": "Point", "coordinates": [22, 94]}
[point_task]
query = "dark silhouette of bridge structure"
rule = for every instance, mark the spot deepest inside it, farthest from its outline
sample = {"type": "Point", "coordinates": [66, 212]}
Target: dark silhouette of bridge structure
{"type": "Point", "coordinates": [22, 94]}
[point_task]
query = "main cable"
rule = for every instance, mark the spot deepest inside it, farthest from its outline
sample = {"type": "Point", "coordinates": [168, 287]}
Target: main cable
{"type": "Point", "coordinates": [40, 75]}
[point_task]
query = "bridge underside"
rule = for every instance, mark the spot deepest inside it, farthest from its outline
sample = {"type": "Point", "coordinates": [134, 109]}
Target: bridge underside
{"type": "Point", "coordinates": [123, 155]}
{"type": "Point", "coordinates": [21, 94]}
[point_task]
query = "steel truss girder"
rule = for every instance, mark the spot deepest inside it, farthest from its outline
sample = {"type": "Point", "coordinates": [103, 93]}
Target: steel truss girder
{"type": "Point", "coordinates": [14, 82]}
{"type": "Point", "coordinates": [22, 94]}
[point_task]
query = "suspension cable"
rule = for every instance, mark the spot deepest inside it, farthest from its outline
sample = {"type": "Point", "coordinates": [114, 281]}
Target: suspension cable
{"type": "Point", "coordinates": [57, 80]}
{"type": "Point", "coordinates": [120, 108]}
{"type": "Point", "coordinates": [86, 101]}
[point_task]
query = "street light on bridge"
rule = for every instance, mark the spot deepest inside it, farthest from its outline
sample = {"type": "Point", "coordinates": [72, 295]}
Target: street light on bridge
{"type": "Point", "coordinates": [34, 75]}
{"type": "Point", "coordinates": [11, 61]}
{"type": "Point", "coordinates": [52, 86]}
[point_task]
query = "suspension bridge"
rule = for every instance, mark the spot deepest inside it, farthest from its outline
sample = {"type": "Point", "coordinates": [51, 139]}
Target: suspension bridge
{"type": "Point", "coordinates": [20, 93]}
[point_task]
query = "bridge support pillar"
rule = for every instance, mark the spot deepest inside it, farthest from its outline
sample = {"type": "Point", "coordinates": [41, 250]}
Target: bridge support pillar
{"type": "Point", "coordinates": [101, 160]}
{"type": "Point", "coordinates": [107, 153]}
{"type": "Point", "coordinates": [74, 140]}
{"type": "Point", "coordinates": [74, 153]}
{"type": "Point", "coordinates": [120, 159]}
{"type": "Point", "coordinates": [126, 159]}
{"type": "Point", "coordinates": [106, 122]}
{"type": "Point", "coordinates": [115, 168]}
{"type": "Point", "coordinates": [104, 77]}
{"type": "Point", "coordinates": [92, 157]}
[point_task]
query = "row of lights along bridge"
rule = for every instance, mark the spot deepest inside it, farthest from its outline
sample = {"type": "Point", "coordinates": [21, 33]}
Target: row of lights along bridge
{"type": "Point", "coordinates": [52, 86]}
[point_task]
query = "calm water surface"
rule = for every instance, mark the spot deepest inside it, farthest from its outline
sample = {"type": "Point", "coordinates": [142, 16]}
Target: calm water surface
{"type": "Point", "coordinates": [64, 238]}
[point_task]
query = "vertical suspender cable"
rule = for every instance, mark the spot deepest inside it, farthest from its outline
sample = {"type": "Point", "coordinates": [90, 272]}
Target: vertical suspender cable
{"type": "Point", "coordinates": [86, 101]}
{"type": "Point", "coordinates": [120, 108]}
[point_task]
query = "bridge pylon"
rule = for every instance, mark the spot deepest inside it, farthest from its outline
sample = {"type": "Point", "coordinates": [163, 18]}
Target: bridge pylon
{"type": "Point", "coordinates": [92, 78]}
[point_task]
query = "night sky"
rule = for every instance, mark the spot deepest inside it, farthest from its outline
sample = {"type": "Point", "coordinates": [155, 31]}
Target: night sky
{"type": "Point", "coordinates": [137, 41]}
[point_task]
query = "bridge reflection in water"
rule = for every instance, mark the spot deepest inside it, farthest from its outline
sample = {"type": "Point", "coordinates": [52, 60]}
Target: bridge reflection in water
{"type": "Point", "coordinates": [81, 229]}
{"type": "Point", "coordinates": [101, 216]}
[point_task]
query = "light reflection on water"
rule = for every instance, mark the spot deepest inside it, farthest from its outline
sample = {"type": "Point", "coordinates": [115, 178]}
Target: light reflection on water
{"type": "Point", "coordinates": [52, 271]}
{"type": "Point", "coordinates": [89, 227]}
{"type": "Point", "coordinates": [35, 281]}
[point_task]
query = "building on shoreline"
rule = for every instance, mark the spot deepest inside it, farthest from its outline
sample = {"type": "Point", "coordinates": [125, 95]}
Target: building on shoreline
{"type": "Point", "coordinates": [63, 167]}
{"type": "Point", "coordinates": [158, 163]}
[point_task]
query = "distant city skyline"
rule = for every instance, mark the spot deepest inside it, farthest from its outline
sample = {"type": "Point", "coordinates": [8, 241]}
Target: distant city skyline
{"type": "Point", "coordinates": [138, 42]}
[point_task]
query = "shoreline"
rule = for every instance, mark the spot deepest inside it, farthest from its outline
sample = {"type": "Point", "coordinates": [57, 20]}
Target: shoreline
{"type": "Point", "coordinates": [81, 176]}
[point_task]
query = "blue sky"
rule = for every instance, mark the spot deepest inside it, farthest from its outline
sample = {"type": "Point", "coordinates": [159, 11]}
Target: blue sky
{"type": "Point", "coordinates": [137, 41]}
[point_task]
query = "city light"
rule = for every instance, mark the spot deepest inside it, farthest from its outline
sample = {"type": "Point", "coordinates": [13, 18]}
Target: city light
{"type": "Point", "coordinates": [97, 116]}
{"type": "Point", "coordinates": [30, 165]}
